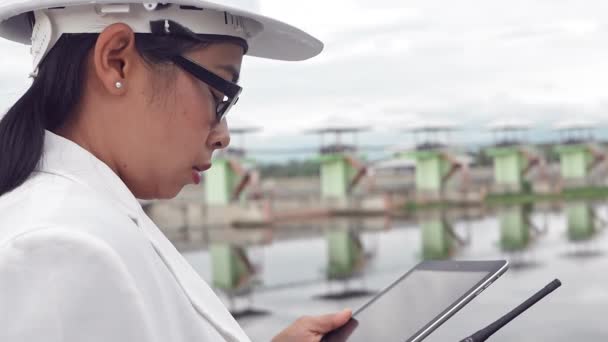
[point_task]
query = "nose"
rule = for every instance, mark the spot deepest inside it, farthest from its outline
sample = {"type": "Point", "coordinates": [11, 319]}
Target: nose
{"type": "Point", "coordinates": [219, 138]}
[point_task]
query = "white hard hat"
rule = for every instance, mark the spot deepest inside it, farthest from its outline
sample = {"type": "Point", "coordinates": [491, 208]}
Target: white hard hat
{"type": "Point", "coordinates": [266, 37]}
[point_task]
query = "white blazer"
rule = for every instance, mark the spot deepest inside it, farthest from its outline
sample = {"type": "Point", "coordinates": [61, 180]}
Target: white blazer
{"type": "Point", "coordinates": [81, 261]}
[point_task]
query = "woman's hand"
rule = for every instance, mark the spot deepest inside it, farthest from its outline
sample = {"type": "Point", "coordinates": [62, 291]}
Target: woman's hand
{"type": "Point", "coordinates": [312, 329]}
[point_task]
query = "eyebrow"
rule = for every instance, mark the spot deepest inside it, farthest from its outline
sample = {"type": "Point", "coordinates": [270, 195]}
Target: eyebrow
{"type": "Point", "coordinates": [231, 69]}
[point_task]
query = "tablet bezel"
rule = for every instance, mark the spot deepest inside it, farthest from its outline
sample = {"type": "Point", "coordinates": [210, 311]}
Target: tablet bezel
{"type": "Point", "coordinates": [494, 269]}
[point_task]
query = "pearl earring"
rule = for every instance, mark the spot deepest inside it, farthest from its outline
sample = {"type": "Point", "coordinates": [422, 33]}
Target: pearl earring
{"type": "Point", "coordinates": [118, 85]}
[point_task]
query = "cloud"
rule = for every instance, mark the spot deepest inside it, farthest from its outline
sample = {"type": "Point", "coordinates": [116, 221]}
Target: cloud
{"type": "Point", "coordinates": [390, 62]}
{"type": "Point", "coordinates": [340, 17]}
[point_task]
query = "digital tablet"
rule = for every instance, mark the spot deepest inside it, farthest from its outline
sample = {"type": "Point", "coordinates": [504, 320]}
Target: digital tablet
{"type": "Point", "coordinates": [419, 302]}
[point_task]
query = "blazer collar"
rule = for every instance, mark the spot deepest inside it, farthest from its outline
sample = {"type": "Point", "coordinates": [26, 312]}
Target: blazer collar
{"type": "Point", "coordinates": [66, 158]}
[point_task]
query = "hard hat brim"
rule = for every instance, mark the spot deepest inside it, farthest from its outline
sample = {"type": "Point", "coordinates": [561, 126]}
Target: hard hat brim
{"type": "Point", "coordinates": [277, 40]}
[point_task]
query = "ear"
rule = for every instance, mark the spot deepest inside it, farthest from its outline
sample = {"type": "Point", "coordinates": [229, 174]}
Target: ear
{"type": "Point", "coordinates": [114, 57]}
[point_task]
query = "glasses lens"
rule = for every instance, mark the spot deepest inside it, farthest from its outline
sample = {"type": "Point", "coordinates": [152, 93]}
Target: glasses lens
{"type": "Point", "coordinates": [221, 110]}
{"type": "Point", "coordinates": [224, 106]}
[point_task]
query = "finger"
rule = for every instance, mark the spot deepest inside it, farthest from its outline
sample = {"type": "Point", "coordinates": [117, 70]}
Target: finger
{"type": "Point", "coordinates": [326, 323]}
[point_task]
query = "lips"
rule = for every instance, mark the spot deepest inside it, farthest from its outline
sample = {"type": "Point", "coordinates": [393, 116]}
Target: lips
{"type": "Point", "coordinates": [201, 167]}
{"type": "Point", "coordinates": [197, 171]}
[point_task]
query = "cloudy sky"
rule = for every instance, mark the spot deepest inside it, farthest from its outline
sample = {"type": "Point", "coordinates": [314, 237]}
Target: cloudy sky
{"type": "Point", "coordinates": [388, 63]}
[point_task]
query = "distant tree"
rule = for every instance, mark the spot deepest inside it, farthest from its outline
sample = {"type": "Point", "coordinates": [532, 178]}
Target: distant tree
{"type": "Point", "coordinates": [292, 168]}
{"type": "Point", "coordinates": [481, 158]}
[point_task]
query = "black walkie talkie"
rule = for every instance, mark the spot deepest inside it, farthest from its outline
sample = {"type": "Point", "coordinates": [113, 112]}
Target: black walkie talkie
{"type": "Point", "coordinates": [488, 331]}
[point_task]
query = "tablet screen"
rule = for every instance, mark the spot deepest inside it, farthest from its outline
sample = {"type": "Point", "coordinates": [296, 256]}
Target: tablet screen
{"type": "Point", "coordinates": [409, 305]}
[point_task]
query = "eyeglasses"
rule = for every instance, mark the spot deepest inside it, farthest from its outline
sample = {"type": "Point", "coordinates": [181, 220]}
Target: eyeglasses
{"type": "Point", "coordinates": [230, 90]}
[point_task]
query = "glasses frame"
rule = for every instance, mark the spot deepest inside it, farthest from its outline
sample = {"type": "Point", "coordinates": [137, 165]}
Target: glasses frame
{"type": "Point", "coordinates": [231, 90]}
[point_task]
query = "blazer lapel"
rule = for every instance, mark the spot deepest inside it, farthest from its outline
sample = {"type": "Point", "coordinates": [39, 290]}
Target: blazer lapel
{"type": "Point", "coordinates": [202, 297]}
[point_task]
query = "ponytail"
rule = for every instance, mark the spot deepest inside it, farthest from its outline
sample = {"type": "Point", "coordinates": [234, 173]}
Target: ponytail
{"type": "Point", "coordinates": [48, 102]}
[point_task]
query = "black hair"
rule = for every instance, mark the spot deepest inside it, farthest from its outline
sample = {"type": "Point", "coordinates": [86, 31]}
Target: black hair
{"type": "Point", "coordinates": [54, 94]}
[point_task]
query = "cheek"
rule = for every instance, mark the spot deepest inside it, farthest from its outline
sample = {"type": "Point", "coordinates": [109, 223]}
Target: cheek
{"type": "Point", "coordinates": [191, 118]}
{"type": "Point", "coordinates": [195, 104]}
{"type": "Point", "coordinates": [180, 125]}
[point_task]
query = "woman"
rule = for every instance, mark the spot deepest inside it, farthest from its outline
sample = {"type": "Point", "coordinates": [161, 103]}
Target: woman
{"type": "Point", "coordinates": [128, 101]}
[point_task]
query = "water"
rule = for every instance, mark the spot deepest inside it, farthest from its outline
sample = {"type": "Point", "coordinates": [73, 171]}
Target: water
{"type": "Point", "coordinates": [293, 277]}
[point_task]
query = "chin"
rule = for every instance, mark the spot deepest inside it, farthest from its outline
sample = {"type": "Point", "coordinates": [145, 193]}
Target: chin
{"type": "Point", "coordinates": [161, 194]}
{"type": "Point", "coordinates": [168, 194]}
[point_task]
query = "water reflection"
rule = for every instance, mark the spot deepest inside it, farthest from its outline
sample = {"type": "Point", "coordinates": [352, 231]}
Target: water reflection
{"type": "Point", "coordinates": [584, 224]}
{"type": "Point", "coordinates": [348, 259]}
{"type": "Point", "coordinates": [232, 272]}
{"type": "Point", "coordinates": [320, 266]}
{"type": "Point", "coordinates": [237, 262]}
{"type": "Point", "coordinates": [439, 239]}
{"type": "Point", "coordinates": [519, 234]}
